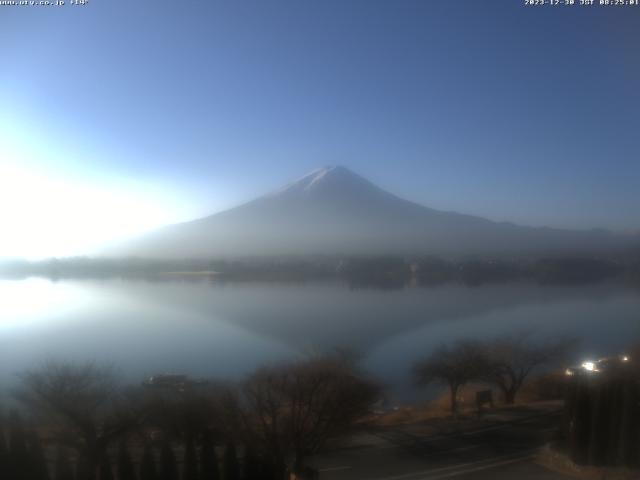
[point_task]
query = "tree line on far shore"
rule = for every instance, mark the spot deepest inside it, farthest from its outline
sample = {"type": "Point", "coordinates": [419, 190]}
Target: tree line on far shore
{"type": "Point", "coordinates": [380, 271]}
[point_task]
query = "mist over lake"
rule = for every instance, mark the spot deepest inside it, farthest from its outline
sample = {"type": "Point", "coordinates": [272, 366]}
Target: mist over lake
{"type": "Point", "coordinates": [211, 329]}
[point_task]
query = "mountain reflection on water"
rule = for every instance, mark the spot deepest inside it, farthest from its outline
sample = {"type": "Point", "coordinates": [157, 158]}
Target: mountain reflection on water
{"type": "Point", "coordinates": [225, 330]}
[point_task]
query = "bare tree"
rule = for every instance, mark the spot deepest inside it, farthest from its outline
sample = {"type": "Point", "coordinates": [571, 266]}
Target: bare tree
{"type": "Point", "coordinates": [80, 404]}
{"type": "Point", "coordinates": [453, 366]}
{"type": "Point", "coordinates": [187, 412]}
{"type": "Point", "coordinates": [294, 409]}
{"type": "Point", "coordinates": [512, 358]}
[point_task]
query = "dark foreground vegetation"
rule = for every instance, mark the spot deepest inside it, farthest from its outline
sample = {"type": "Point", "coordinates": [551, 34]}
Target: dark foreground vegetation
{"type": "Point", "coordinates": [358, 271]}
{"type": "Point", "coordinates": [77, 422]}
{"type": "Point", "coordinates": [601, 424]}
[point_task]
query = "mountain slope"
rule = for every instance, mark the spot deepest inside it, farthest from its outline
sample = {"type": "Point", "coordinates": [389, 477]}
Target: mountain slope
{"type": "Point", "coordinates": [335, 211]}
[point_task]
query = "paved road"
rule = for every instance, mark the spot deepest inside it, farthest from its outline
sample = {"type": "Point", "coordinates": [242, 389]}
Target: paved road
{"type": "Point", "coordinates": [502, 447]}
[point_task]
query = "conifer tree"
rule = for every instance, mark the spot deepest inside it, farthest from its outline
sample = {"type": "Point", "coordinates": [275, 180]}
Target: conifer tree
{"type": "Point", "coordinates": [38, 463]}
{"type": "Point", "coordinates": [4, 452]}
{"type": "Point", "coordinates": [231, 467]}
{"type": "Point", "coordinates": [106, 472]}
{"type": "Point", "coordinates": [168, 464]}
{"type": "Point", "coordinates": [19, 464]}
{"type": "Point", "coordinates": [209, 468]}
{"type": "Point", "coordinates": [125, 468]}
{"type": "Point", "coordinates": [252, 465]}
{"type": "Point", "coordinates": [148, 470]}
{"type": "Point", "coordinates": [190, 460]}
{"type": "Point", "coordinates": [63, 469]}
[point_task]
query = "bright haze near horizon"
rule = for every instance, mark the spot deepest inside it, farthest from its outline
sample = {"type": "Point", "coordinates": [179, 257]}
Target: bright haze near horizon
{"type": "Point", "coordinates": [119, 117]}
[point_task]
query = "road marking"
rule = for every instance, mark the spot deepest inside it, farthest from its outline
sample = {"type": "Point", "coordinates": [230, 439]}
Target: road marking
{"type": "Point", "coordinates": [503, 424]}
{"type": "Point", "coordinates": [433, 454]}
{"type": "Point", "coordinates": [467, 467]}
{"type": "Point", "coordinates": [451, 450]}
{"type": "Point", "coordinates": [484, 467]}
{"type": "Point", "coordinates": [333, 469]}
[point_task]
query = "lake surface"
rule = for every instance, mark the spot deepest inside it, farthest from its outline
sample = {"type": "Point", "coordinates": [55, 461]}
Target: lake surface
{"type": "Point", "coordinates": [225, 330]}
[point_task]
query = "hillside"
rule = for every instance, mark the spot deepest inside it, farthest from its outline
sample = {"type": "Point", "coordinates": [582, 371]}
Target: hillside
{"type": "Point", "coordinates": [335, 211]}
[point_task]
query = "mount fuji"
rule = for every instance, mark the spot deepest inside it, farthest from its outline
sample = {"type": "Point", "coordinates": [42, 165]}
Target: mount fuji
{"type": "Point", "coordinates": [333, 210]}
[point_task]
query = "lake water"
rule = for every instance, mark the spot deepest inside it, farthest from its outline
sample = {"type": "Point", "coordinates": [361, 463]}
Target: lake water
{"type": "Point", "coordinates": [225, 330]}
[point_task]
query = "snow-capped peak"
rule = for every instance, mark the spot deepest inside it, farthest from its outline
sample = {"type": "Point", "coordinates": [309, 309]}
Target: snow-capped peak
{"type": "Point", "coordinates": [333, 175]}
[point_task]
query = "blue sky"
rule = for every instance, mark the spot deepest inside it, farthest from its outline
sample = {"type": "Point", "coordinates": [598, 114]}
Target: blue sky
{"type": "Point", "coordinates": [172, 110]}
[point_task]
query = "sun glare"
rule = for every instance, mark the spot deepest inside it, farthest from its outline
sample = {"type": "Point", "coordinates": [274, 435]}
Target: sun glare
{"type": "Point", "coordinates": [19, 308]}
{"type": "Point", "coordinates": [43, 216]}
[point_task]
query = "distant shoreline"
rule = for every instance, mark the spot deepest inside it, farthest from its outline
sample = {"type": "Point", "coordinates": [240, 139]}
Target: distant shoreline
{"type": "Point", "coordinates": [376, 271]}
